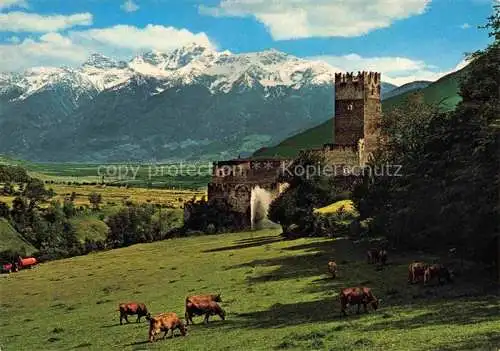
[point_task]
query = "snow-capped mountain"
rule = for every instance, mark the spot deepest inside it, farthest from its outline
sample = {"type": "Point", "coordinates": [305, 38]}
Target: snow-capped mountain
{"type": "Point", "coordinates": [144, 108]}
{"type": "Point", "coordinates": [218, 71]}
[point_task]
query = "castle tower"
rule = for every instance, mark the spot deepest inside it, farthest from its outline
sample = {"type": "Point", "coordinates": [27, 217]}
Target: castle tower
{"type": "Point", "coordinates": [357, 110]}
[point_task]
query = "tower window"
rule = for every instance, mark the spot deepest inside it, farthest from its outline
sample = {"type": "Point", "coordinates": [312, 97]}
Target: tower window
{"type": "Point", "coordinates": [350, 106]}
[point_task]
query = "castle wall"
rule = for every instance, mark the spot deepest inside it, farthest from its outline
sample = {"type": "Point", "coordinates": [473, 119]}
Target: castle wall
{"type": "Point", "coordinates": [234, 180]}
{"type": "Point", "coordinates": [248, 171]}
{"type": "Point", "coordinates": [341, 155]}
{"type": "Point", "coordinates": [373, 120]}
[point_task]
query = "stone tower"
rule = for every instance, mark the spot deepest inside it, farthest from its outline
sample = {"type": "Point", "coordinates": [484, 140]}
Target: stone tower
{"type": "Point", "coordinates": [357, 111]}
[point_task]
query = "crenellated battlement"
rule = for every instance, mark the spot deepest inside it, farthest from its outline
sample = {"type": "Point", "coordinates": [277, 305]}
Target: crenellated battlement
{"type": "Point", "coordinates": [359, 78]}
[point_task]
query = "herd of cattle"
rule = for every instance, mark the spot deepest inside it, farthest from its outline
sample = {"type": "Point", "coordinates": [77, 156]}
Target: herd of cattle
{"type": "Point", "coordinates": [208, 305]}
{"type": "Point", "coordinates": [195, 305]}
{"type": "Point", "coordinates": [417, 271]}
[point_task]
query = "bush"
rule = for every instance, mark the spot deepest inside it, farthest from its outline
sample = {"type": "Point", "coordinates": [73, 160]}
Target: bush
{"type": "Point", "coordinates": [11, 256]}
{"type": "Point", "coordinates": [4, 210]}
{"type": "Point", "coordinates": [211, 229]}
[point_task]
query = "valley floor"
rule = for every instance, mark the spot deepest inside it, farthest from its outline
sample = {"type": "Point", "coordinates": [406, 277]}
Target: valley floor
{"type": "Point", "coordinates": [276, 293]}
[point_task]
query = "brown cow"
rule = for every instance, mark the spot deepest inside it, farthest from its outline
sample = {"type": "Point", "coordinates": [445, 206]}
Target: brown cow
{"type": "Point", "coordinates": [416, 271]}
{"type": "Point", "coordinates": [357, 296]}
{"type": "Point", "coordinates": [332, 268]}
{"type": "Point", "coordinates": [382, 256]}
{"type": "Point", "coordinates": [210, 297]}
{"type": "Point", "coordinates": [200, 307]}
{"type": "Point", "coordinates": [438, 271]}
{"type": "Point", "coordinates": [132, 308]}
{"type": "Point", "coordinates": [376, 256]}
{"type": "Point", "coordinates": [165, 322]}
{"type": "Point", "coordinates": [200, 299]}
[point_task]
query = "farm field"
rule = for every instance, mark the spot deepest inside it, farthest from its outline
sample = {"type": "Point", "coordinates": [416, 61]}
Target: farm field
{"type": "Point", "coordinates": [276, 293]}
{"type": "Point", "coordinates": [117, 195]}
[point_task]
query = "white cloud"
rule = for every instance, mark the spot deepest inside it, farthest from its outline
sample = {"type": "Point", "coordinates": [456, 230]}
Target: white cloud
{"type": "Point", "coordinates": [51, 49]}
{"type": "Point", "coordinates": [4, 4]}
{"type": "Point", "coordinates": [32, 22]}
{"type": "Point", "coordinates": [129, 6]}
{"type": "Point", "coordinates": [133, 38]}
{"type": "Point", "coordinates": [294, 19]}
{"type": "Point", "coordinates": [465, 26]}
{"type": "Point", "coordinates": [54, 49]}
{"type": "Point", "coordinates": [395, 70]}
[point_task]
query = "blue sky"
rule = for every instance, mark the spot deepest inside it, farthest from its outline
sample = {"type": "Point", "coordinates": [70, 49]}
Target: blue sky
{"type": "Point", "coordinates": [404, 39]}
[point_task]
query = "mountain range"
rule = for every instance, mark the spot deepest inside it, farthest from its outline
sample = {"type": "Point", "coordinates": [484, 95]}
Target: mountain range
{"type": "Point", "coordinates": [190, 103]}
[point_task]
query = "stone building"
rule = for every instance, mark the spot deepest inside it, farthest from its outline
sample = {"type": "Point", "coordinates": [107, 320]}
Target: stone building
{"type": "Point", "coordinates": [356, 135]}
{"type": "Point", "coordinates": [358, 113]}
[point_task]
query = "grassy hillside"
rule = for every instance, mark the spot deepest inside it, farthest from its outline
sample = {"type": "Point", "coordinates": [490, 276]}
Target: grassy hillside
{"type": "Point", "coordinates": [89, 227]}
{"type": "Point", "coordinates": [276, 293]}
{"type": "Point", "coordinates": [10, 239]}
{"type": "Point", "coordinates": [444, 92]}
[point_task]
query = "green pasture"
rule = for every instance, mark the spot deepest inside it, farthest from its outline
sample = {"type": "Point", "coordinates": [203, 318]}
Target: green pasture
{"type": "Point", "coordinates": [277, 294]}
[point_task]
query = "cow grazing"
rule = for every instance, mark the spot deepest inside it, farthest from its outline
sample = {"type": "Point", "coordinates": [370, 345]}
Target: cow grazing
{"type": "Point", "coordinates": [376, 256]}
{"type": "Point", "coordinates": [382, 257]}
{"type": "Point", "coordinates": [133, 308]}
{"type": "Point", "coordinates": [438, 271]}
{"type": "Point", "coordinates": [165, 322]}
{"type": "Point", "coordinates": [358, 296]}
{"type": "Point", "coordinates": [416, 271]}
{"type": "Point", "coordinates": [203, 307]}
{"type": "Point", "coordinates": [332, 268]}
{"type": "Point", "coordinates": [209, 297]}
{"type": "Point", "coordinates": [195, 300]}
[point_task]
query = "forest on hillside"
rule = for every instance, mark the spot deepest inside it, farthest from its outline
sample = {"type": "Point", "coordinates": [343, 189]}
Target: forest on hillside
{"type": "Point", "coordinates": [448, 194]}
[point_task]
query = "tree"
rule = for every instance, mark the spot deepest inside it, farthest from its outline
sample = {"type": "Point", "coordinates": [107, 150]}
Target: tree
{"type": "Point", "coordinates": [19, 215]}
{"type": "Point", "coordinates": [283, 210]}
{"type": "Point", "coordinates": [69, 208]}
{"type": "Point", "coordinates": [95, 200]}
{"type": "Point", "coordinates": [307, 189]}
{"type": "Point", "coordinates": [448, 194]}
{"type": "Point", "coordinates": [15, 174]}
{"type": "Point", "coordinates": [132, 224]}
{"type": "Point", "coordinates": [35, 192]}
{"type": "Point", "coordinates": [4, 210]}
{"type": "Point", "coordinates": [8, 189]}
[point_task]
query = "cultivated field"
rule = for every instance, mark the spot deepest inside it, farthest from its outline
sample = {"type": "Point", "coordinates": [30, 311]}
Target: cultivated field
{"type": "Point", "coordinates": [276, 293]}
{"type": "Point", "coordinates": [112, 195]}
{"type": "Point", "coordinates": [117, 195]}
{"type": "Point", "coordinates": [192, 175]}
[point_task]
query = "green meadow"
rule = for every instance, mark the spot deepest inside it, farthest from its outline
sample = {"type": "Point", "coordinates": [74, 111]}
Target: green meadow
{"type": "Point", "coordinates": [277, 295]}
